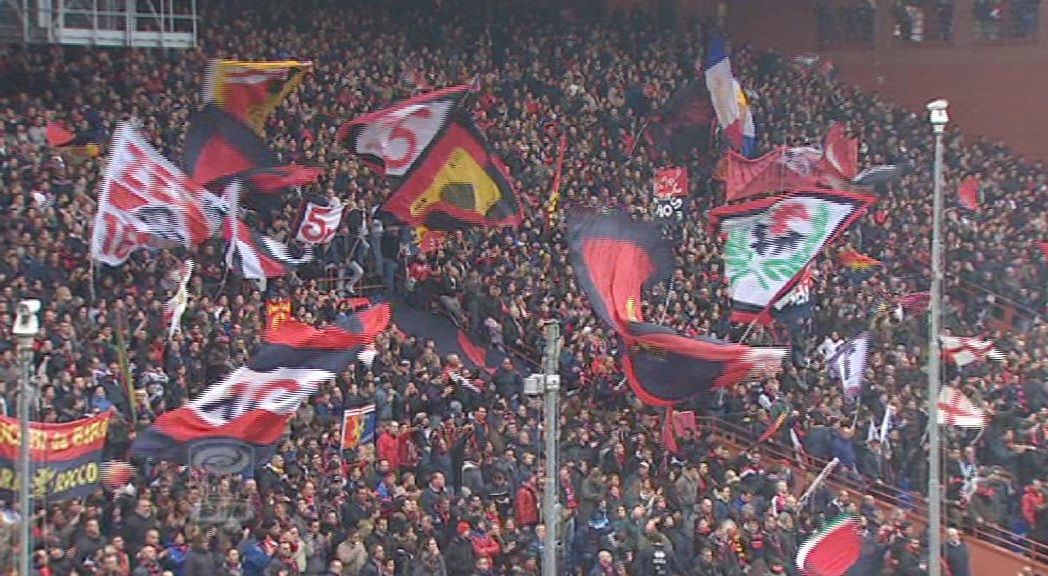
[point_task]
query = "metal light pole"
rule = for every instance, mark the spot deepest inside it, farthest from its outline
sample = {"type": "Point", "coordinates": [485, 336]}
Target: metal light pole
{"type": "Point", "coordinates": [938, 118]}
{"type": "Point", "coordinates": [551, 390]}
{"type": "Point", "coordinates": [25, 329]}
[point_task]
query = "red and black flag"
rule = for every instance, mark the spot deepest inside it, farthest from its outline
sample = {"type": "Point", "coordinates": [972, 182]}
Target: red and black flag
{"type": "Point", "coordinates": [235, 423]}
{"type": "Point", "coordinates": [614, 257]}
{"type": "Point", "coordinates": [393, 140]}
{"type": "Point", "coordinates": [251, 91]}
{"type": "Point", "coordinates": [449, 180]}
{"type": "Point", "coordinates": [459, 185]}
{"type": "Point", "coordinates": [684, 122]}
{"type": "Point", "coordinates": [219, 146]}
{"type": "Point", "coordinates": [664, 367]}
{"type": "Point", "coordinates": [78, 145]}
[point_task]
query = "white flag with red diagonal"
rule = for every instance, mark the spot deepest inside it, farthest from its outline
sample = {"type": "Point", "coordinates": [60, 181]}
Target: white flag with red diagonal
{"type": "Point", "coordinates": [956, 409]}
{"type": "Point", "coordinates": [962, 351]}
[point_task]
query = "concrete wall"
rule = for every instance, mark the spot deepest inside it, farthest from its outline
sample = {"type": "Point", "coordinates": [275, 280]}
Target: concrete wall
{"type": "Point", "coordinates": [995, 90]}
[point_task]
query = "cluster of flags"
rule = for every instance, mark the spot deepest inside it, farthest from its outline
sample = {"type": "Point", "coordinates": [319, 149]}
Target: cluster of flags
{"type": "Point", "coordinates": [447, 177]}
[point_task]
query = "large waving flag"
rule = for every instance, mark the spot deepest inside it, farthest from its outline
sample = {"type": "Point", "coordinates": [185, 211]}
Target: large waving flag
{"type": "Point", "coordinates": [728, 98]}
{"type": "Point", "coordinates": [145, 202]}
{"type": "Point", "coordinates": [176, 306]}
{"type": "Point", "coordinates": [394, 139]}
{"type": "Point", "coordinates": [664, 367]}
{"type": "Point", "coordinates": [449, 180]}
{"type": "Point", "coordinates": [229, 427]}
{"type": "Point", "coordinates": [218, 146]}
{"type": "Point", "coordinates": [614, 257]}
{"type": "Point", "coordinates": [599, 245]}
{"type": "Point", "coordinates": [770, 241]}
{"type": "Point", "coordinates": [458, 186]}
{"type": "Point", "coordinates": [251, 91]}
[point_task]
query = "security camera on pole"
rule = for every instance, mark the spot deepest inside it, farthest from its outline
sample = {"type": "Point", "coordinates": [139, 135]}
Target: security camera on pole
{"type": "Point", "coordinates": [548, 384]}
{"type": "Point", "coordinates": [938, 118]}
{"type": "Point", "coordinates": [26, 327]}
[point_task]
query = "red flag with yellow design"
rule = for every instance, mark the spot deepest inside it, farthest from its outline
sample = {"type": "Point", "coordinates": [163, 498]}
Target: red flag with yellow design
{"type": "Point", "coordinates": [251, 91]}
{"type": "Point", "coordinates": [459, 184]}
{"type": "Point", "coordinates": [277, 311]}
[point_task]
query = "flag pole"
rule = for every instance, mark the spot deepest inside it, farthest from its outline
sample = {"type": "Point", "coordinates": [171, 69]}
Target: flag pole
{"type": "Point", "coordinates": [938, 118]}
{"type": "Point", "coordinates": [551, 492]}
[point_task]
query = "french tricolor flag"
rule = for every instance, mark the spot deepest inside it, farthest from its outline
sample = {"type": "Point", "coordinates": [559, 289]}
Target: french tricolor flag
{"type": "Point", "coordinates": [729, 99]}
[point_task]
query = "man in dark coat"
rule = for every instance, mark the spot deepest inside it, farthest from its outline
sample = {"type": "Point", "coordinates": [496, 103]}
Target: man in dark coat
{"type": "Point", "coordinates": [955, 552]}
{"type": "Point", "coordinates": [459, 557]}
{"type": "Point", "coordinates": [200, 561]}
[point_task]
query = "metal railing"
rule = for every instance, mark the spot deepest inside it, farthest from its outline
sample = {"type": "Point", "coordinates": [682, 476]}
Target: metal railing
{"type": "Point", "coordinates": [913, 505]}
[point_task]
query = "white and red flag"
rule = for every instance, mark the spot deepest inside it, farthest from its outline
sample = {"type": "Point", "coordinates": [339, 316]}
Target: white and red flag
{"type": "Point", "coordinates": [320, 220]}
{"type": "Point", "coordinates": [146, 202]}
{"type": "Point", "coordinates": [962, 351]}
{"type": "Point", "coordinates": [956, 409]}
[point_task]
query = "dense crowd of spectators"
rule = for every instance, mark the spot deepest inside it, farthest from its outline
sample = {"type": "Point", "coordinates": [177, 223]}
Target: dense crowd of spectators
{"type": "Point", "coordinates": [455, 485]}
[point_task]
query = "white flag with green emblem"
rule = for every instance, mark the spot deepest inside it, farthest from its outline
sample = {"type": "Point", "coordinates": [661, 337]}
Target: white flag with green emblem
{"type": "Point", "coordinates": [769, 241]}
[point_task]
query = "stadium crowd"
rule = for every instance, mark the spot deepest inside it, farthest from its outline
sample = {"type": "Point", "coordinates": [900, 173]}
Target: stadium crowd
{"type": "Point", "coordinates": [455, 486]}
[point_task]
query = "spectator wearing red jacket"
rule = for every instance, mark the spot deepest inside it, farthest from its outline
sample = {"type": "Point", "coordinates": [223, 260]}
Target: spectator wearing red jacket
{"type": "Point", "coordinates": [484, 544]}
{"type": "Point", "coordinates": [1033, 502]}
{"type": "Point", "coordinates": [388, 445]}
{"type": "Point", "coordinates": [526, 504]}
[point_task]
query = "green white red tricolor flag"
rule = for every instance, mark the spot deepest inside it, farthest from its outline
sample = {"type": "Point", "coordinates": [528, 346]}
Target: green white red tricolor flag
{"type": "Point", "coordinates": [833, 550]}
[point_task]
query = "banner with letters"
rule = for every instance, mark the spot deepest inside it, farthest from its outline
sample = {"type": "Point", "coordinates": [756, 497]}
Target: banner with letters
{"type": "Point", "coordinates": [65, 457]}
{"type": "Point", "coordinates": [671, 189]}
